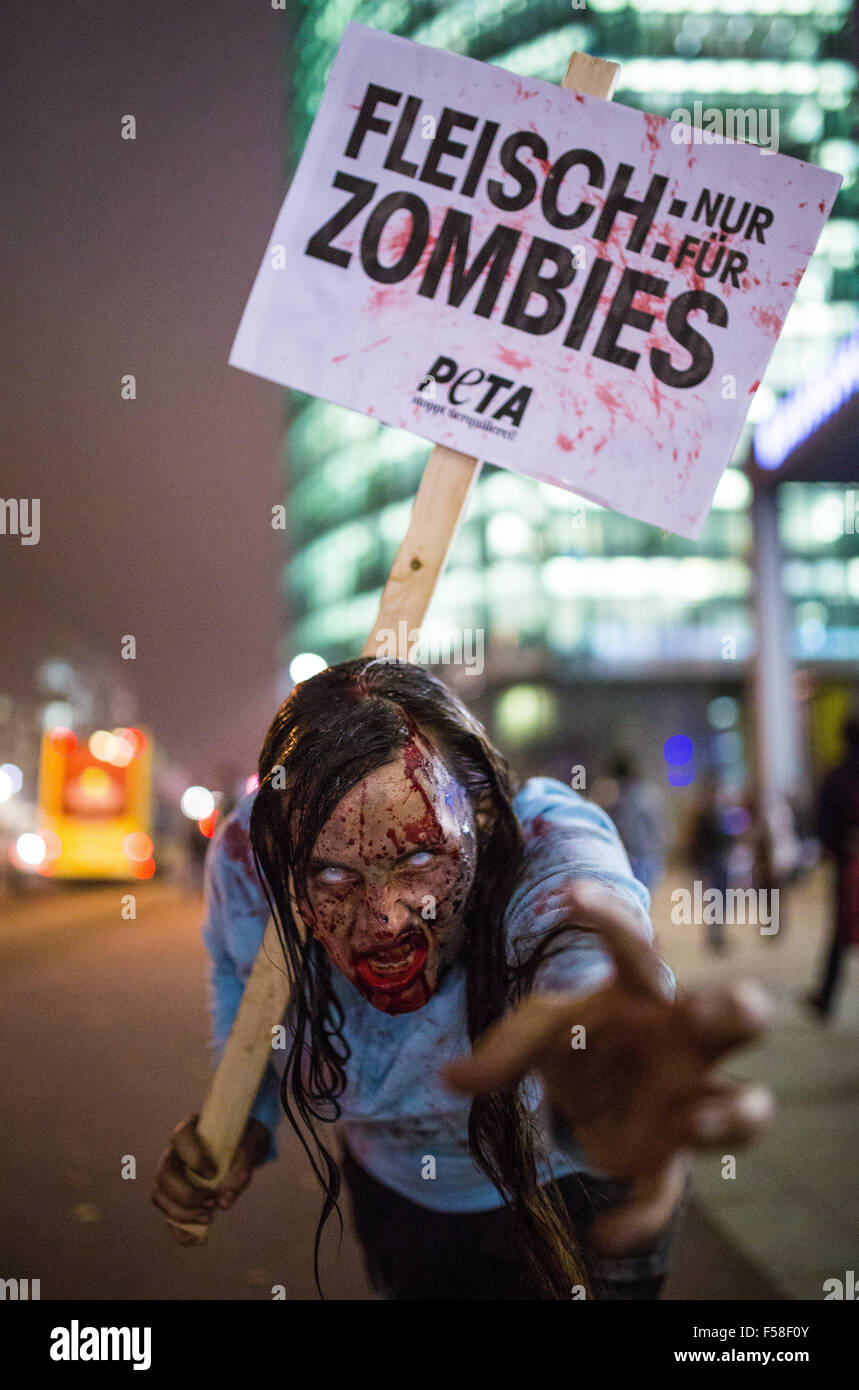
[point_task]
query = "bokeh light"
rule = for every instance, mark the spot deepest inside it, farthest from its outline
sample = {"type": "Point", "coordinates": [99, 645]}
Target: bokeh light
{"type": "Point", "coordinates": [30, 848]}
{"type": "Point", "coordinates": [15, 776]}
{"type": "Point", "coordinates": [63, 739]}
{"type": "Point", "coordinates": [137, 846]}
{"type": "Point", "coordinates": [305, 665]}
{"type": "Point", "coordinates": [197, 803]}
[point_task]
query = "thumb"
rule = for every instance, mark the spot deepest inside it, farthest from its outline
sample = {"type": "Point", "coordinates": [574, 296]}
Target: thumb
{"type": "Point", "coordinates": [236, 1180]}
{"type": "Point", "coordinates": [510, 1047]}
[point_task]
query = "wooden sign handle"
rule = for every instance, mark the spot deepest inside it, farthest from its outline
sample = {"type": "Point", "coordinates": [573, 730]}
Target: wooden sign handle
{"type": "Point", "coordinates": [438, 508]}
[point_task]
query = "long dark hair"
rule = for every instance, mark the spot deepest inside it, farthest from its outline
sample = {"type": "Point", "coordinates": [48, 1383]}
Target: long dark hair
{"type": "Point", "coordinates": [331, 733]}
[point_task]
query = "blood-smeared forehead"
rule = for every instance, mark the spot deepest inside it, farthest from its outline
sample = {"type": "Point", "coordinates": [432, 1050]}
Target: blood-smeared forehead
{"type": "Point", "coordinates": [411, 803]}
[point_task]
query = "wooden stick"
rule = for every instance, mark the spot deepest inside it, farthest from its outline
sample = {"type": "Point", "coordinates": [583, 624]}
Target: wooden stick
{"type": "Point", "coordinates": [438, 508]}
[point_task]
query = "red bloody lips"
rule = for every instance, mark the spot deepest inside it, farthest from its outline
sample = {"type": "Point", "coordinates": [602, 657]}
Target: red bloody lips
{"type": "Point", "coordinates": [393, 968]}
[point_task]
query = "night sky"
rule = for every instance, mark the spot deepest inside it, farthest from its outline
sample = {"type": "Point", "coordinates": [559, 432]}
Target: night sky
{"type": "Point", "coordinates": [138, 256]}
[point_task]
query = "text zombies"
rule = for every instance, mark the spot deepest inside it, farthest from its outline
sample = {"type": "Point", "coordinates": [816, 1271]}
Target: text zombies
{"type": "Point", "coordinates": [396, 238]}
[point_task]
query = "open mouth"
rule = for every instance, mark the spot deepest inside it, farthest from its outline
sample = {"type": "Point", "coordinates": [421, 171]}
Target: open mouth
{"type": "Point", "coordinates": [394, 967]}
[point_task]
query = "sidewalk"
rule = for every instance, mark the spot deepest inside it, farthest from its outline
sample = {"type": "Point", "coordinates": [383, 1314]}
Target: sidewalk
{"type": "Point", "coordinates": [792, 1211]}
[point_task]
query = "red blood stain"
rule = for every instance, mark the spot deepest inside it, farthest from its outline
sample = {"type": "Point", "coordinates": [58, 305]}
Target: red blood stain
{"type": "Point", "coordinates": [361, 818]}
{"type": "Point", "coordinates": [580, 98]}
{"type": "Point", "coordinates": [564, 443]}
{"type": "Point", "coordinates": [426, 830]}
{"type": "Point", "coordinates": [538, 827]}
{"type": "Point", "coordinates": [656, 395]}
{"type": "Point", "coordinates": [821, 205]}
{"type": "Point", "coordinates": [803, 205]}
{"type": "Point", "coordinates": [523, 95]}
{"type": "Point", "coordinates": [652, 124]}
{"type": "Point", "coordinates": [513, 359]}
{"type": "Point", "coordinates": [381, 299]}
{"type": "Point", "coordinates": [754, 386]}
{"type": "Point", "coordinates": [395, 243]}
{"type": "Point", "coordinates": [597, 447]}
{"type": "Point", "coordinates": [768, 320]}
{"type": "Point", "coordinates": [609, 399]}
{"type": "Point", "coordinates": [236, 843]}
{"type": "Point", "coordinates": [341, 358]}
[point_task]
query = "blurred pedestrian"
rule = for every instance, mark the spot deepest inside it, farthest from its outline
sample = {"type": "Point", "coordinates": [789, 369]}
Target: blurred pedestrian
{"type": "Point", "coordinates": [838, 828]}
{"type": "Point", "coordinates": [196, 845]}
{"type": "Point", "coordinates": [638, 811]}
{"type": "Point", "coordinates": [710, 846]}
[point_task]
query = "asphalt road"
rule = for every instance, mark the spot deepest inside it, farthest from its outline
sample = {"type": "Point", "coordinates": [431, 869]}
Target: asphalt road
{"type": "Point", "coordinates": [103, 1045]}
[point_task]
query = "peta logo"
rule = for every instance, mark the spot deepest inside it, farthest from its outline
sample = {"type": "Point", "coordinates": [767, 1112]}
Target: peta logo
{"type": "Point", "coordinates": [484, 393]}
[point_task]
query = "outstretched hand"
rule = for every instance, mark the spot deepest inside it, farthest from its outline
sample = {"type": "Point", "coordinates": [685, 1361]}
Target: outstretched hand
{"type": "Point", "coordinates": [638, 1086]}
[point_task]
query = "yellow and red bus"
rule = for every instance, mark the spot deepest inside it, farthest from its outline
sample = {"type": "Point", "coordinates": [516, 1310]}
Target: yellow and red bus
{"type": "Point", "coordinates": [95, 804]}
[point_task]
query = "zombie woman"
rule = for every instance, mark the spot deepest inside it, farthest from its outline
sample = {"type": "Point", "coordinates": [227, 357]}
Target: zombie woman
{"type": "Point", "coordinates": [482, 1041]}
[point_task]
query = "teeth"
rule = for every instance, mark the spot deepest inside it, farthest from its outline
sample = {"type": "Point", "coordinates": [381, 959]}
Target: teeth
{"type": "Point", "coordinates": [391, 966]}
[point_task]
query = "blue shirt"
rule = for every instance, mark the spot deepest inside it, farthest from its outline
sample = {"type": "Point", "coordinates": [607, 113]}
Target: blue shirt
{"type": "Point", "coordinates": [396, 1112]}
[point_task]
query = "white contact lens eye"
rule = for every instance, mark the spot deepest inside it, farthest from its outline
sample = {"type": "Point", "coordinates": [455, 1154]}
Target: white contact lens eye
{"type": "Point", "coordinates": [333, 874]}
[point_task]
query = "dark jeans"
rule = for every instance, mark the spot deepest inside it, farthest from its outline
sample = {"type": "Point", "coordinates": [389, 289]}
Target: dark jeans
{"type": "Point", "coordinates": [412, 1252]}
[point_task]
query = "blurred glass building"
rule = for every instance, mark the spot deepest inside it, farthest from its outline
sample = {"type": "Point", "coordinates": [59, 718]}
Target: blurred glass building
{"type": "Point", "coordinates": [601, 631]}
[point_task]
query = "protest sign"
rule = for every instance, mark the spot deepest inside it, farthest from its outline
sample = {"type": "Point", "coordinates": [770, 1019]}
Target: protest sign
{"type": "Point", "coordinates": [569, 288]}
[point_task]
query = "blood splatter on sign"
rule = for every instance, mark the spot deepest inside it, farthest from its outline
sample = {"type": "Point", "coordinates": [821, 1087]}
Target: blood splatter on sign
{"type": "Point", "coordinates": [546, 280]}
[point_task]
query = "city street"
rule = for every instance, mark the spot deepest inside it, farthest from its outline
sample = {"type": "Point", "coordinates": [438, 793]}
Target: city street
{"type": "Point", "coordinates": [103, 1036]}
{"type": "Point", "coordinates": [103, 1040]}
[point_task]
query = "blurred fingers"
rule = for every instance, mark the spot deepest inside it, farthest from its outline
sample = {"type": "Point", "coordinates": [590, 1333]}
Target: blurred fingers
{"type": "Point", "coordinates": [510, 1046]}
{"type": "Point", "coordinates": [176, 1211]}
{"type": "Point", "coordinates": [175, 1185]}
{"type": "Point", "coordinates": [191, 1149]}
{"type": "Point", "coordinates": [719, 1019]}
{"type": "Point", "coordinates": [733, 1116]}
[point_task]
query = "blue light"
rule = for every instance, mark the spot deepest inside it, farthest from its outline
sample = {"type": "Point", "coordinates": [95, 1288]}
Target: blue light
{"type": "Point", "coordinates": [808, 406]}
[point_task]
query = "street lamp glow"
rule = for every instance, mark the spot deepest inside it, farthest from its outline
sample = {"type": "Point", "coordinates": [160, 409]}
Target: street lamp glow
{"type": "Point", "coordinates": [305, 665]}
{"type": "Point", "coordinates": [101, 745]}
{"type": "Point", "coordinates": [31, 849]}
{"type": "Point", "coordinates": [15, 775]}
{"type": "Point", "coordinates": [197, 803]}
{"type": "Point", "coordinates": [5, 785]}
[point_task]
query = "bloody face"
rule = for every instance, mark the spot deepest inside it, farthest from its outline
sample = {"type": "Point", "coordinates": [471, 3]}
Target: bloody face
{"type": "Point", "coordinates": [389, 878]}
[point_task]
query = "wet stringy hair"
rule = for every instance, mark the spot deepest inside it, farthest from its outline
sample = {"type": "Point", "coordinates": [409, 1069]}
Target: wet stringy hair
{"type": "Point", "coordinates": [332, 732]}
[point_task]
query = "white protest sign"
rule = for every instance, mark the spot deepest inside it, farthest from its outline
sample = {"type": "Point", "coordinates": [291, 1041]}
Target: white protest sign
{"type": "Point", "coordinates": [558, 284]}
